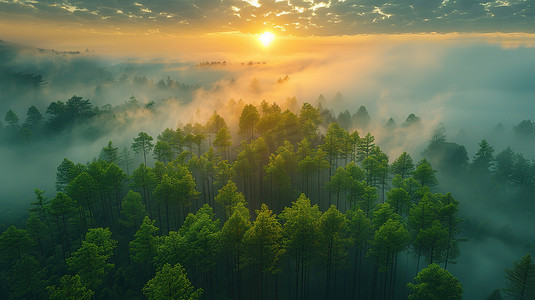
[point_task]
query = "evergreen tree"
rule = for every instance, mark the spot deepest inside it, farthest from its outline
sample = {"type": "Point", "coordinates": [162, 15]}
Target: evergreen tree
{"type": "Point", "coordinates": [144, 247]}
{"type": "Point", "coordinates": [34, 118]}
{"type": "Point", "coordinates": [248, 119]}
{"type": "Point", "coordinates": [263, 244]}
{"type": "Point", "coordinates": [300, 234]}
{"type": "Point", "coordinates": [403, 165]}
{"type": "Point", "coordinates": [12, 119]}
{"type": "Point", "coordinates": [14, 243]}
{"type": "Point", "coordinates": [483, 159]}
{"type": "Point", "coordinates": [71, 288]}
{"type": "Point", "coordinates": [232, 242]}
{"type": "Point", "coordinates": [333, 236]}
{"type": "Point", "coordinates": [228, 196]}
{"type": "Point", "coordinates": [90, 261]}
{"type": "Point", "coordinates": [425, 174]}
{"type": "Point", "coordinates": [435, 283]}
{"type": "Point", "coordinates": [109, 153]}
{"type": "Point", "coordinates": [26, 279]}
{"type": "Point", "coordinates": [132, 210]}
{"type": "Point", "coordinates": [143, 143]}
{"type": "Point", "coordinates": [171, 283]}
{"type": "Point", "coordinates": [520, 279]}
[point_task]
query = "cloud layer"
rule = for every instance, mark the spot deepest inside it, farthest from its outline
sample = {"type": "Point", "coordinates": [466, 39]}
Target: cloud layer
{"type": "Point", "coordinates": [296, 17]}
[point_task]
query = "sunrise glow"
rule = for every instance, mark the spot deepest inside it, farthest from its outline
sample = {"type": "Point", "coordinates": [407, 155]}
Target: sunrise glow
{"type": "Point", "coordinates": [266, 38]}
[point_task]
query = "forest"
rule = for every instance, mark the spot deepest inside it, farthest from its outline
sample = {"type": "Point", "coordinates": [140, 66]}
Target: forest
{"type": "Point", "coordinates": [272, 204]}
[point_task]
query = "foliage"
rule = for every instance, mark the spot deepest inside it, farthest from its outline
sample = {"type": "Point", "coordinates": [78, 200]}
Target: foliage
{"type": "Point", "coordinates": [171, 283]}
{"type": "Point", "coordinates": [433, 283]}
{"type": "Point", "coordinates": [520, 279]}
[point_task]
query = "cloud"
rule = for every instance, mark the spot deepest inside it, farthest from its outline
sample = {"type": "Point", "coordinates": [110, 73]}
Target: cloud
{"type": "Point", "coordinates": [297, 17]}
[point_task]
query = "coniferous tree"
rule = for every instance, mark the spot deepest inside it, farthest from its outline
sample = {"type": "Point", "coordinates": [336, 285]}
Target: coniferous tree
{"type": "Point", "coordinates": [143, 143]}
{"type": "Point", "coordinates": [143, 247]}
{"type": "Point", "coordinates": [228, 196]}
{"type": "Point", "coordinates": [132, 210]}
{"type": "Point", "coordinates": [435, 283]}
{"type": "Point", "coordinates": [403, 165]}
{"type": "Point", "coordinates": [425, 174]}
{"type": "Point", "coordinates": [171, 283]}
{"type": "Point", "coordinates": [90, 261]}
{"type": "Point", "coordinates": [300, 233]}
{"type": "Point", "coordinates": [70, 288]}
{"type": "Point", "coordinates": [110, 153]}
{"type": "Point", "coordinates": [232, 242]}
{"type": "Point", "coordinates": [520, 279]}
{"type": "Point", "coordinates": [263, 243]}
{"type": "Point", "coordinates": [333, 235]}
{"type": "Point", "coordinates": [26, 279]}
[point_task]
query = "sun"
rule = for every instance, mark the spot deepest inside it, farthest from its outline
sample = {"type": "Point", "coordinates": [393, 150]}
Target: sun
{"type": "Point", "coordinates": [266, 38]}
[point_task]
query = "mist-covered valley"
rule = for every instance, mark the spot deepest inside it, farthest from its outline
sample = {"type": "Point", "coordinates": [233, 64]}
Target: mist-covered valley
{"type": "Point", "coordinates": [435, 99]}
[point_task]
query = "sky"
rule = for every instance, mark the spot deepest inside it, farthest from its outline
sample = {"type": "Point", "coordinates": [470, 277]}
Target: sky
{"type": "Point", "coordinates": [153, 24]}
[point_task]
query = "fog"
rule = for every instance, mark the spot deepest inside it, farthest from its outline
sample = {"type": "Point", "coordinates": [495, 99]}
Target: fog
{"type": "Point", "coordinates": [469, 86]}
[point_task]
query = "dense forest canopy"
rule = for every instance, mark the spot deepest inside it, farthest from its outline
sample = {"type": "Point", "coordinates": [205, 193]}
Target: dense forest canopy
{"type": "Point", "coordinates": [287, 204]}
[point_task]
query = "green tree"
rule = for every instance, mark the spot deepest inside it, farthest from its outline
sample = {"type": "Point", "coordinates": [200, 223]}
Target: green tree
{"type": "Point", "coordinates": [62, 207]}
{"type": "Point", "coordinates": [360, 229]}
{"type": "Point", "coordinates": [113, 179]}
{"type": "Point", "coordinates": [263, 243]}
{"type": "Point", "coordinates": [425, 174]}
{"type": "Point", "coordinates": [421, 217]}
{"type": "Point", "coordinates": [110, 153]}
{"type": "Point", "coordinates": [435, 283]}
{"type": "Point", "coordinates": [70, 288]}
{"type": "Point", "coordinates": [450, 221]}
{"type": "Point", "coordinates": [171, 283]}
{"type": "Point", "coordinates": [433, 242]}
{"type": "Point", "coordinates": [26, 279]}
{"type": "Point", "coordinates": [173, 138]}
{"type": "Point", "coordinates": [215, 124]}
{"type": "Point", "coordinates": [232, 242]}
{"type": "Point", "coordinates": [361, 117]}
{"type": "Point", "coordinates": [248, 119]}
{"type": "Point", "coordinates": [483, 159]}
{"type": "Point", "coordinates": [365, 146]}
{"type": "Point", "coordinates": [309, 119]}
{"type": "Point", "coordinates": [82, 189]}
{"type": "Point", "coordinates": [200, 244]}
{"type": "Point", "coordinates": [520, 279]}
{"type": "Point", "coordinates": [12, 119]}
{"type": "Point", "coordinates": [144, 247]}
{"type": "Point", "coordinates": [403, 165]}
{"type": "Point", "coordinates": [300, 234]}
{"type": "Point", "coordinates": [90, 261]}
{"type": "Point", "coordinates": [338, 182]}
{"type": "Point", "coordinates": [163, 152]}
{"type": "Point", "coordinates": [66, 173]}
{"type": "Point", "coordinates": [132, 210]}
{"type": "Point", "coordinates": [399, 200]}
{"type": "Point", "coordinates": [334, 241]}
{"type": "Point", "coordinates": [14, 243]}
{"type": "Point", "coordinates": [390, 239]}
{"type": "Point", "coordinates": [143, 143]}
{"type": "Point", "coordinates": [333, 143]}
{"type": "Point", "coordinates": [228, 196]}
{"type": "Point", "coordinates": [279, 178]}
{"type": "Point", "coordinates": [144, 179]}
{"type": "Point", "coordinates": [34, 118]}
{"type": "Point", "coordinates": [222, 141]}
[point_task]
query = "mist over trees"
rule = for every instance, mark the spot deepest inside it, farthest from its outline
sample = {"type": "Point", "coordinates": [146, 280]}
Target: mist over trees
{"type": "Point", "coordinates": [298, 208]}
{"type": "Point", "coordinates": [254, 200]}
